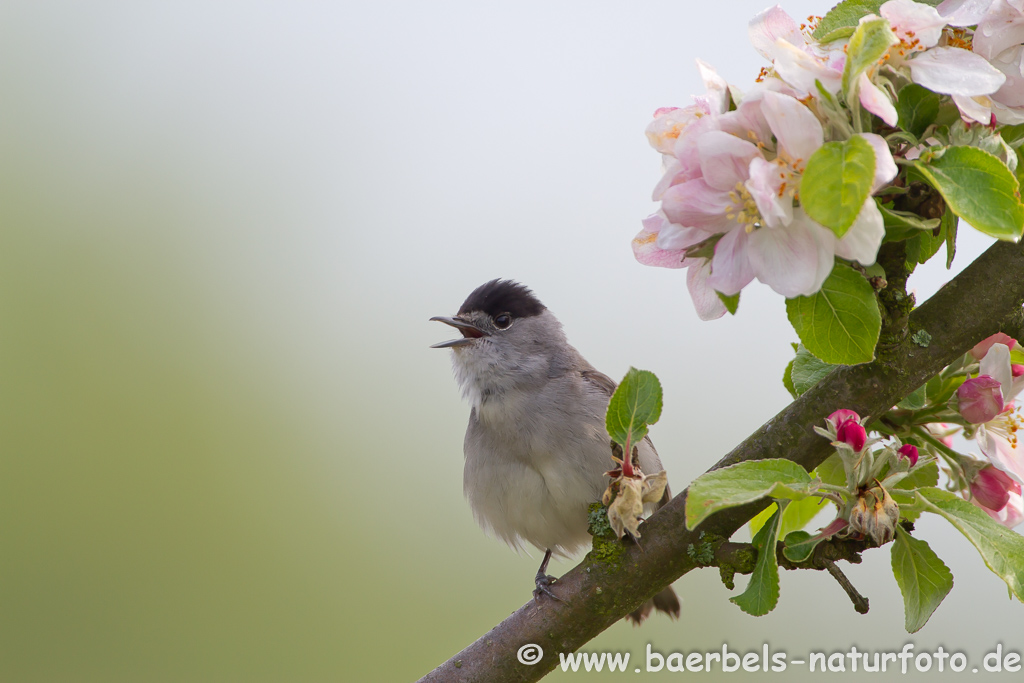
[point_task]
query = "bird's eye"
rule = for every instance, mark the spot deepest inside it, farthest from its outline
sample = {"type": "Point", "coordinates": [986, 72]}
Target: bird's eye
{"type": "Point", "coordinates": [503, 321]}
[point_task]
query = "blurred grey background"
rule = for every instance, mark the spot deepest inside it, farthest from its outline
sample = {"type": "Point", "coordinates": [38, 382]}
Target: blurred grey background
{"type": "Point", "coordinates": [227, 452]}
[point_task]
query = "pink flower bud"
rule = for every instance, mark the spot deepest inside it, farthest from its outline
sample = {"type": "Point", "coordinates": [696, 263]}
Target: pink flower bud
{"type": "Point", "coordinates": [991, 488]}
{"type": "Point", "coordinates": [852, 433]}
{"type": "Point", "coordinates": [1017, 370]}
{"type": "Point", "coordinates": [982, 347]}
{"type": "Point", "coordinates": [981, 399]}
{"type": "Point", "coordinates": [909, 451]}
{"type": "Point", "coordinates": [842, 415]}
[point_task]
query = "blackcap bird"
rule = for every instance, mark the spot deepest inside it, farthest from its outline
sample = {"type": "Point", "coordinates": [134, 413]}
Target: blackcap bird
{"type": "Point", "coordinates": [536, 447]}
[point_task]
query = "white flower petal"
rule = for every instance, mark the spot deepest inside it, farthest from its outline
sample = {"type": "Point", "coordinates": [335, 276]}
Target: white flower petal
{"type": "Point", "coordinates": [876, 101]}
{"type": "Point", "coordinates": [768, 26]}
{"type": "Point", "coordinates": [963, 12]}
{"type": "Point", "coordinates": [974, 108]}
{"type": "Point", "coordinates": [765, 186]}
{"type": "Point", "coordinates": [786, 259]}
{"type": "Point", "coordinates": [717, 96]}
{"type": "Point", "coordinates": [1002, 27]}
{"type": "Point", "coordinates": [800, 69]}
{"type": "Point", "coordinates": [862, 240]}
{"type": "Point", "coordinates": [796, 128]}
{"type": "Point", "coordinates": [996, 364]}
{"type": "Point", "coordinates": [914, 21]}
{"type": "Point", "coordinates": [955, 71]}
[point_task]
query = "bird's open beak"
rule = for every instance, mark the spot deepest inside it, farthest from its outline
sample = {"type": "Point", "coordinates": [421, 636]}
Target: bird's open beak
{"type": "Point", "coordinates": [469, 332]}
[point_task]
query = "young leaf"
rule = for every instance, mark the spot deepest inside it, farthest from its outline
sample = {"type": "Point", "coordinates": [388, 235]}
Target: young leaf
{"type": "Point", "coordinates": [808, 370]}
{"type": "Point", "coordinates": [979, 188]}
{"type": "Point", "coordinates": [744, 483]}
{"type": "Point", "coordinates": [635, 404]}
{"type": "Point", "coordinates": [870, 41]}
{"type": "Point", "coordinates": [762, 593]}
{"type": "Point", "coordinates": [1001, 548]}
{"type": "Point", "coordinates": [924, 476]}
{"type": "Point", "coordinates": [918, 107]}
{"type": "Point", "coordinates": [923, 578]}
{"type": "Point", "coordinates": [840, 324]}
{"type": "Point", "coordinates": [836, 182]}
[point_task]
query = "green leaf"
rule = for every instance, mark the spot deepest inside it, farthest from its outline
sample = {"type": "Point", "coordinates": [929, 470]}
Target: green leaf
{"type": "Point", "coordinates": [798, 514]}
{"type": "Point", "coordinates": [901, 225]}
{"type": "Point", "coordinates": [917, 400]}
{"type": "Point", "coordinates": [918, 107]}
{"type": "Point", "coordinates": [808, 370]}
{"type": "Point", "coordinates": [950, 224]}
{"type": "Point", "coordinates": [922, 477]}
{"type": "Point", "coordinates": [923, 578]}
{"type": "Point", "coordinates": [762, 592]}
{"type": "Point", "coordinates": [941, 389]}
{"type": "Point", "coordinates": [924, 244]}
{"type": "Point", "coordinates": [840, 324]}
{"type": "Point", "coordinates": [842, 19]}
{"type": "Point", "coordinates": [870, 41]}
{"type": "Point", "coordinates": [635, 404]}
{"type": "Point", "coordinates": [837, 181]}
{"type": "Point", "coordinates": [731, 302]}
{"type": "Point", "coordinates": [979, 188]}
{"type": "Point", "coordinates": [787, 380]}
{"type": "Point", "coordinates": [1001, 548]}
{"type": "Point", "coordinates": [744, 483]}
{"type": "Point", "coordinates": [800, 545]}
{"type": "Point", "coordinates": [832, 471]}
{"type": "Point", "coordinates": [1012, 135]}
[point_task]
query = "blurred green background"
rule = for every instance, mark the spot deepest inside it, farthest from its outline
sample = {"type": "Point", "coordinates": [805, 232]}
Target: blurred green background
{"type": "Point", "coordinates": [226, 452]}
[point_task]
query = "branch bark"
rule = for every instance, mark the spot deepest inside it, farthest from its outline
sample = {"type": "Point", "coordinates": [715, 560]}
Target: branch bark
{"type": "Point", "coordinates": [985, 298]}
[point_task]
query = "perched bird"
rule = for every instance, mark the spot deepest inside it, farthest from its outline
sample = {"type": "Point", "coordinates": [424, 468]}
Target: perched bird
{"type": "Point", "coordinates": [536, 447]}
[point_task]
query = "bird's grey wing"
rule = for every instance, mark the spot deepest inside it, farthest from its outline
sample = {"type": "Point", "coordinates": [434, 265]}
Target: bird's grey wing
{"type": "Point", "coordinates": [606, 385]}
{"type": "Point", "coordinates": [599, 381]}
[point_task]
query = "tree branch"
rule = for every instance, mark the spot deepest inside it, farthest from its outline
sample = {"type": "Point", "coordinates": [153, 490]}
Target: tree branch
{"type": "Point", "coordinates": [985, 298]}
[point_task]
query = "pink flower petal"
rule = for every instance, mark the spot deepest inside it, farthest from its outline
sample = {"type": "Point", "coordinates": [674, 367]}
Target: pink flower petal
{"type": "Point", "coordinates": [885, 165]}
{"type": "Point", "coordinates": [725, 159]}
{"type": "Point", "coordinates": [982, 347]}
{"type": "Point", "coordinates": [730, 268]}
{"type": "Point", "coordinates": [1002, 27]}
{"type": "Point", "coordinates": [705, 300]}
{"type": "Point", "coordinates": [981, 399]}
{"type": "Point", "coordinates": [695, 204]}
{"type": "Point", "coordinates": [876, 101]}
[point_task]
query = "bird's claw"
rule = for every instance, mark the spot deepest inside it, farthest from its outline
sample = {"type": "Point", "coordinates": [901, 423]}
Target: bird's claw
{"type": "Point", "coordinates": [543, 581]}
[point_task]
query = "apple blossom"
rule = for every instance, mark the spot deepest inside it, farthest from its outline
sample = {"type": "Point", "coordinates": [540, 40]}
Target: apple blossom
{"type": "Point", "coordinates": [909, 451]}
{"type": "Point", "coordinates": [998, 495]}
{"type": "Point", "coordinates": [980, 399]}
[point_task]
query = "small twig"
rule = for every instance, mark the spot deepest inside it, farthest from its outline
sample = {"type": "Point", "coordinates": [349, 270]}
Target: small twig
{"type": "Point", "coordinates": [860, 603]}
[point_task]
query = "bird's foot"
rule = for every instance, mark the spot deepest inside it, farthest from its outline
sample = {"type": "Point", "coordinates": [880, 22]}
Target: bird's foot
{"type": "Point", "coordinates": [543, 581]}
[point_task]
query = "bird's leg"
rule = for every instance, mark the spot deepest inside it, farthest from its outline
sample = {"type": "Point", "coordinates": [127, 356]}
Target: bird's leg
{"type": "Point", "coordinates": [543, 580]}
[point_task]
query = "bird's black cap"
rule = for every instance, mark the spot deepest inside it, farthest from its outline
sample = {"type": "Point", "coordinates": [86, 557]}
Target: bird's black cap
{"type": "Point", "coordinates": [503, 296]}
